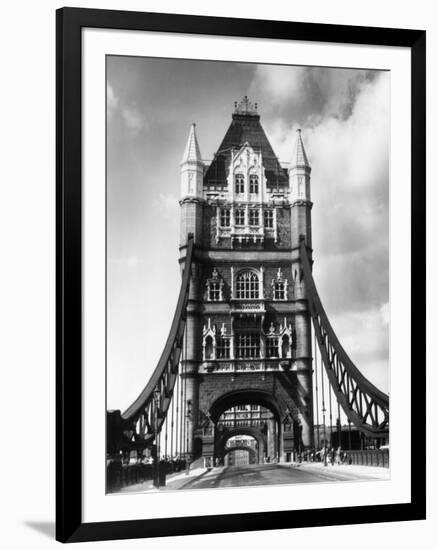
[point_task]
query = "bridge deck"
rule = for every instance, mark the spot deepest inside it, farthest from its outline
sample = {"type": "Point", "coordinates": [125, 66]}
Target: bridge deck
{"type": "Point", "coordinates": [265, 474]}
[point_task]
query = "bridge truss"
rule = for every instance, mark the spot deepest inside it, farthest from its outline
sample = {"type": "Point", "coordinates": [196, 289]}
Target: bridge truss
{"type": "Point", "coordinates": [156, 420]}
{"type": "Point", "coordinates": [365, 406]}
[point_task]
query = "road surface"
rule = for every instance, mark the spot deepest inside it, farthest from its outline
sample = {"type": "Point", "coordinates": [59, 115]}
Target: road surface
{"type": "Point", "coordinates": [273, 474]}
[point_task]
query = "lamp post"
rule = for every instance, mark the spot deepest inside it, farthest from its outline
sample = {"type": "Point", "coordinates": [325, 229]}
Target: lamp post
{"type": "Point", "coordinates": [156, 400]}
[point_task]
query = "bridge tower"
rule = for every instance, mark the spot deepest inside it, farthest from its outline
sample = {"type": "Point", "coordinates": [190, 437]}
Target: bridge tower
{"type": "Point", "coordinates": [247, 368]}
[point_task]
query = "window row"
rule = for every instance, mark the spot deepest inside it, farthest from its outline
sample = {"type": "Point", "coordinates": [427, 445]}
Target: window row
{"type": "Point", "coordinates": [247, 346]}
{"type": "Point", "coordinates": [247, 287]}
{"type": "Point", "coordinates": [240, 217]}
{"type": "Point", "coordinates": [240, 186]}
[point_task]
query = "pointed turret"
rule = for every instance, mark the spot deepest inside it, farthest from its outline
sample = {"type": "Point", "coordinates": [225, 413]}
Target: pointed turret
{"type": "Point", "coordinates": [299, 173]}
{"type": "Point", "coordinates": [300, 158]}
{"type": "Point", "coordinates": [192, 167]}
{"type": "Point", "coordinates": [192, 149]}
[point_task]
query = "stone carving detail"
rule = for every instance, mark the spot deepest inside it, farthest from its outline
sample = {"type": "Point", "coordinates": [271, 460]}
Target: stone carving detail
{"type": "Point", "coordinates": [246, 199]}
{"type": "Point", "coordinates": [214, 287]}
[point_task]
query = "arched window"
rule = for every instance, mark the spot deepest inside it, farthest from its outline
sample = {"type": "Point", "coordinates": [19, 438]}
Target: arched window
{"type": "Point", "coordinates": [253, 184]}
{"type": "Point", "coordinates": [280, 286]}
{"type": "Point", "coordinates": [239, 183]}
{"type": "Point", "coordinates": [279, 290]}
{"type": "Point", "coordinates": [223, 348]}
{"type": "Point", "coordinates": [208, 347]}
{"type": "Point", "coordinates": [285, 346]}
{"type": "Point", "coordinates": [272, 346]}
{"type": "Point", "coordinates": [214, 287]}
{"type": "Point", "coordinates": [247, 286]}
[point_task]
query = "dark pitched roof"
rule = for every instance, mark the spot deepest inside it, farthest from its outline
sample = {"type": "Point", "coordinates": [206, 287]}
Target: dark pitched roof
{"type": "Point", "coordinates": [245, 127]}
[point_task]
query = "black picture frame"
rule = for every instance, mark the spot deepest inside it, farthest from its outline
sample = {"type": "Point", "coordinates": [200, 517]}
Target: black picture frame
{"type": "Point", "coordinates": [69, 24]}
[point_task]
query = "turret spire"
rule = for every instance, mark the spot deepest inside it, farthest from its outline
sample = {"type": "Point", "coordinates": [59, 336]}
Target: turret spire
{"type": "Point", "coordinates": [300, 159]}
{"type": "Point", "coordinates": [192, 150]}
{"type": "Point", "coordinates": [192, 168]}
{"type": "Point", "coordinates": [299, 173]}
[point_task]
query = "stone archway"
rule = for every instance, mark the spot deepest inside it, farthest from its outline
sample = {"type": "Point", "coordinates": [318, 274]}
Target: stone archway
{"type": "Point", "coordinates": [252, 453]}
{"type": "Point", "coordinates": [275, 405]}
{"type": "Point", "coordinates": [256, 433]}
{"type": "Point", "coordinates": [243, 396]}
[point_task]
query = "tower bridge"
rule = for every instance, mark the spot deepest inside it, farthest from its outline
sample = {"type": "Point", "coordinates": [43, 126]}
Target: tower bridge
{"type": "Point", "coordinates": [240, 358]}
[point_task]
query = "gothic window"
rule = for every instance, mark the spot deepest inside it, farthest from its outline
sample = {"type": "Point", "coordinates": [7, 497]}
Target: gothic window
{"type": "Point", "coordinates": [214, 287]}
{"type": "Point", "coordinates": [272, 346]}
{"type": "Point", "coordinates": [247, 286]}
{"type": "Point", "coordinates": [268, 219]}
{"type": "Point", "coordinates": [279, 290]}
{"type": "Point", "coordinates": [254, 217]}
{"type": "Point", "coordinates": [253, 184]}
{"type": "Point", "coordinates": [209, 347]}
{"type": "Point", "coordinates": [225, 217]}
{"type": "Point", "coordinates": [248, 345]}
{"type": "Point", "coordinates": [285, 346]}
{"type": "Point", "coordinates": [239, 184]}
{"type": "Point", "coordinates": [214, 291]}
{"type": "Point", "coordinates": [223, 348]}
{"type": "Point", "coordinates": [279, 287]}
{"type": "Point", "coordinates": [240, 216]}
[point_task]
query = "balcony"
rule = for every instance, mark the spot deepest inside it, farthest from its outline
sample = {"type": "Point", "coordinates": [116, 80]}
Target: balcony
{"type": "Point", "coordinates": [248, 306]}
{"type": "Point", "coordinates": [247, 233]}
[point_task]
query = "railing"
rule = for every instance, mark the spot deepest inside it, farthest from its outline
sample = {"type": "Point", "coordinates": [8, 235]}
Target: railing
{"type": "Point", "coordinates": [363, 403]}
{"type": "Point", "coordinates": [375, 457]}
{"type": "Point", "coordinates": [120, 475]}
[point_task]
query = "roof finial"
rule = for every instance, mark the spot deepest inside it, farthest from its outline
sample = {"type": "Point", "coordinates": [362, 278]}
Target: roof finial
{"type": "Point", "coordinates": [245, 107]}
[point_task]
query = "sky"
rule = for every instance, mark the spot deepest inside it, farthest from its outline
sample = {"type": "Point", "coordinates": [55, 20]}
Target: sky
{"type": "Point", "coordinates": [344, 117]}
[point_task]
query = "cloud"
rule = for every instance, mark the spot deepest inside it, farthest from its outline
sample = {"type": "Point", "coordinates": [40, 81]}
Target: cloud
{"type": "Point", "coordinates": [133, 118]}
{"type": "Point", "coordinates": [129, 113]}
{"type": "Point", "coordinates": [365, 337]}
{"type": "Point", "coordinates": [385, 314]}
{"type": "Point", "coordinates": [130, 262]}
{"type": "Point", "coordinates": [111, 100]}
{"type": "Point", "coordinates": [344, 116]}
{"type": "Point", "coordinates": [167, 205]}
{"type": "Point", "coordinates": [279, 82]}
{"type": "Point", "coordinates": [311, 92]}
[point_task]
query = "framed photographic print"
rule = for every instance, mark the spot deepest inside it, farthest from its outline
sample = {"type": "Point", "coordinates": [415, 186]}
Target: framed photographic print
{"type": "Point", "coordinates": [240, 270]}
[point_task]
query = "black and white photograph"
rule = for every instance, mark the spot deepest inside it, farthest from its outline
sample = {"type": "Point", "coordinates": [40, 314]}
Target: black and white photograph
{"type": "Point", "coordinates": [247, 274]}
{"type": "Point", "coordinates": [218, 264]}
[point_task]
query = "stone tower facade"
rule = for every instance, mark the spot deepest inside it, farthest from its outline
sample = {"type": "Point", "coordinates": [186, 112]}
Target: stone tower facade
{"type": "Point", "coordinates": [248, 326]}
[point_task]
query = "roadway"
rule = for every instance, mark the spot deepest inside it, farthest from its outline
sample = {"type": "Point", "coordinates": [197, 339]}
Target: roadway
{"type": "Point", "coordinates": [274, 474]}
